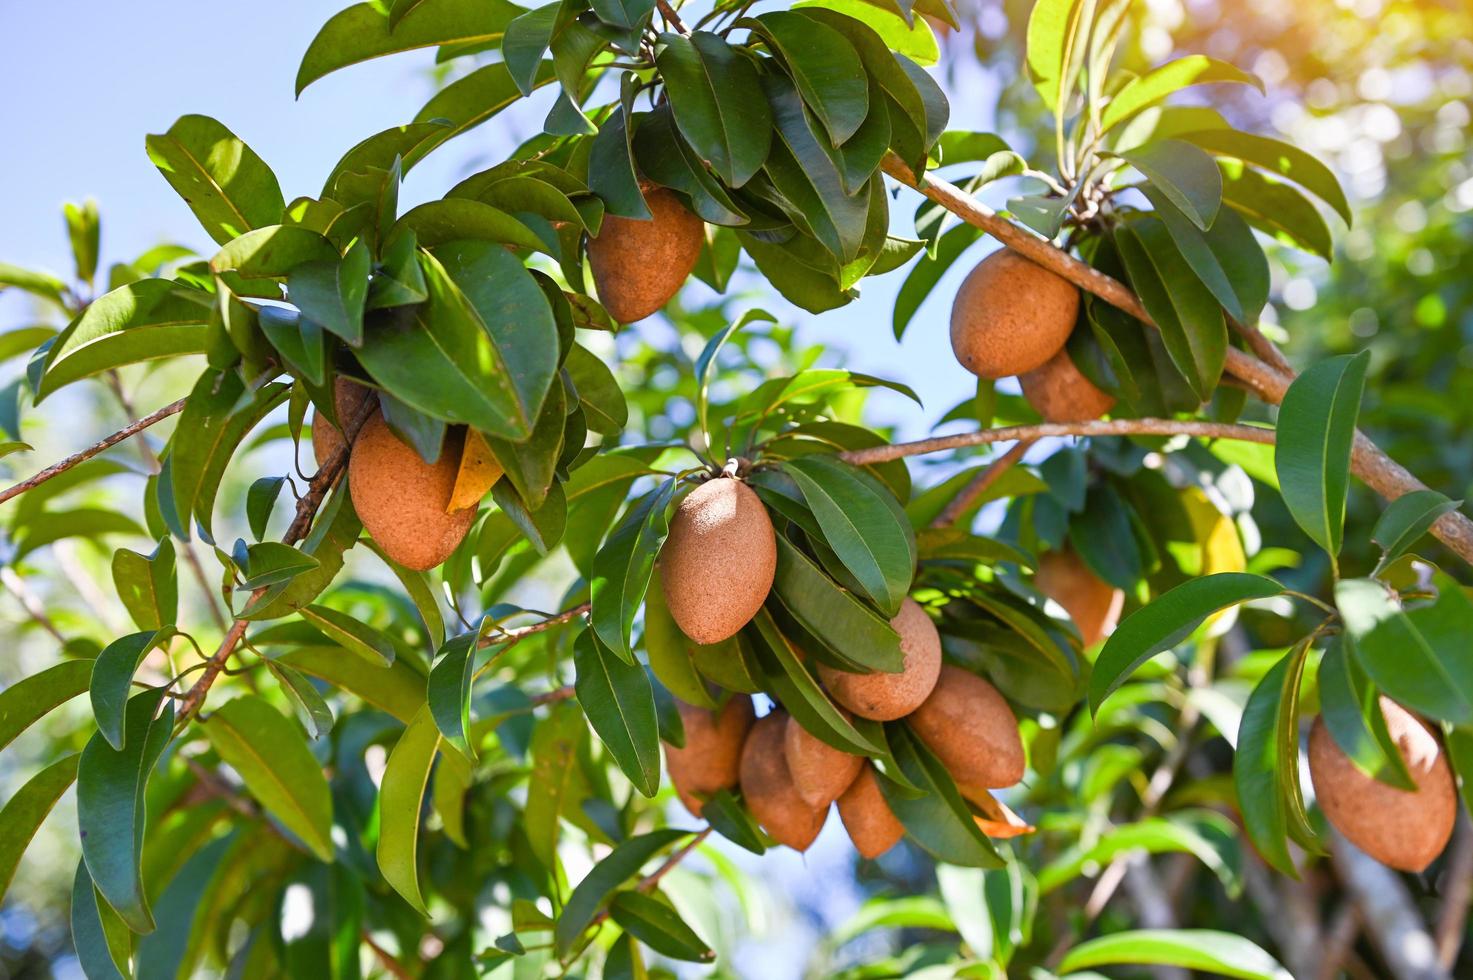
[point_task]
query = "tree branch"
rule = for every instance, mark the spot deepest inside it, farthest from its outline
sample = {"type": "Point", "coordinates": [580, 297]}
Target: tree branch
{"type": "Point", "coordinates": [650, 881]}
{"type": "Point", "coordinates": [1457, 891]}
{"type": "Point", "coordinates": [1387, 912]}
{"type": "Point", "coordinates": [980, 483]}
{"type": "Point", "coordinates": [1368, 461]}
{"type": "Point", "coordinates": [126, 432]}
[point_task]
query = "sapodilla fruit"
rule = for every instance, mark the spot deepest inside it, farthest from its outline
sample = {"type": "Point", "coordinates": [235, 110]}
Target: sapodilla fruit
{"type": "Point", "coordinates": [717, 564]}
{"type": "Point", "coordinates": [1010, 316]}
{"type": "Point", "coordinates": [711, 758]}
{"type": "Point", "coordinates": [970, 727]}
{"type": "Point", "coordinates": [639, 265]}
{"type": "Point", "coordinates": [1401, 829]}
{"type": "Point", "coordinates": [821, 773]}
{"type": "Point", "coordinates": [348, 397]}
{"type": "Point", "coordinates": [1091, 603]}
{"type": "Point", "coordinates": [1060, 392]}
{"type": "Point", "coordinates": [401, 499]}
{"type": "Point", "coordinates": [871, 823]}
{"type": "Point", "coordinates": [767, 786]}
{"type": "Point", "coordinates": [885, 697]}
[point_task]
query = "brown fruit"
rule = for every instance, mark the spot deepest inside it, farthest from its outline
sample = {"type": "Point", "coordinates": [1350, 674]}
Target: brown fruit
{"type": "Point", "coordinates": [639, 265]}
{"type": "Point", "coordinates": [970, 727]}
{"type": "Point", "coordinates": [1091, 603]}
{"type": "Point", "coordinates": [1061, 393]}
{"type": "Point", "coordinates": [767, 787]}
{"type": "Point", "coordinates": [712, 755]}
{"type": "Point", "coordinates": [1010, 316]}
{"type": "Point", "coordinates": [718, 562]}
{"type": "Point", "coordinates": [821, 773]}
{"type": "Point", "coordinates": [1402, 829]}
{"type": "Point", "coordinates": [347, 397]}
{"type": "Point", "coordinates": [401, 499]}
{"type": "Point", "coordinates": [868, 818]}
{"type": "Point", "coordinates": [885, 697]}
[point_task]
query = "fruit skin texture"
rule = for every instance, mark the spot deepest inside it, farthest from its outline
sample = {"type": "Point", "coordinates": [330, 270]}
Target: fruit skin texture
{"type": "Point", "coordinates": [718, 562]}
{"type": "Point", "coordinates": [767, 787]}
{"type": "Point", "coordinates": [348, 397]}
{"type": "Point", "coordinates": [401, 499]}
{"type": "Point", "coordinates": [1092, 603]}
{"type": "Point", "coordinates": [868, 818]}
{"type": "Point", "coordinates": [821, 773]}
{"type": "Point", "coordinates": [970, 727]}
{"type": "Point", "coordinates": [1010, 316]}
{"type": "Point", "coordinates": [639, 265]}
{"type": "Point", "coordinates": [1401, 829]}
{"type": "Point", "coordinates": [885, 697]}
{"type": "Point", "coordinates": [712, 755]}
{"type": "Point", "coordinates": [1060, 392]}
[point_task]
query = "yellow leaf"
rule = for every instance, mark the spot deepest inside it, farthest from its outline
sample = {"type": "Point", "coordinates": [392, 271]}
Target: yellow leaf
{"type": "Point", "coordinates": [478, 472]}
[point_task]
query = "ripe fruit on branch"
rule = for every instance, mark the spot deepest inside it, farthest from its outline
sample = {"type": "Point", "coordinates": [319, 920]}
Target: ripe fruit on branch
{"type": "Point", "coordinates": [712, 755]}
{"type": "Point", "coordinates": [885, 697]}
{"type": "Point", "coordinates": [1010, 316]}
{"type": "Point", "coordinates": [1093, 604]}
{"type": "Point", "coordinates": [1402, 829]}
{"type": "Point", "coordinates": [868, 818]}
{"type": "Point", "coordinates": [1060, 392]}
{"type": "Point", "coordinates": [767, 786]}
{"type": "Point", "coordinates": [970, 727]}
{"type": "Point", "coordinates": [718, 563]}
{"type": "Point", "coordinates": [639, 265]}
{"type": "Point", "coordinates": [821, 773]}
{"type": "Point", "coordinates": [401, 499]}
{"type": "Point", "coordinates": [347, 398]}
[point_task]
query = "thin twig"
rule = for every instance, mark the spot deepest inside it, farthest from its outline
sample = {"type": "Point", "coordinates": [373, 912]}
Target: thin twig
{"type": "Point", "coordinates": [652, 880]}
{"type": "Point", "coordinates": [386, 958]}
{"type": "Point", "coordinates": [671, 17]}
{"type": "Point", "coordinates": [126, 432]}
{"type": "Point", "coordinates": [1457, 891]}
{"type": "Point", "coordinates": [980, 484]}
{"type": "Point", "coordinates": [17, 587]}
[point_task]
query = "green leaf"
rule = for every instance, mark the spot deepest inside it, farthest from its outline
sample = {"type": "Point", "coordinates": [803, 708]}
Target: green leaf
{"type": "Point", "coordinates": [1351, 708]}
{"type": "Point", "coordinates": [1206, 835]}
{"type": "Point", "coordinates": [659, 927]}
{"type": "Point", "coordinates": [1266, 762]}
{"type": "Point", "coordinates": [627, 14]}
{"type": "Point", "coordinates": [622, 567]}
{"type": "Point", "coordinates": [526, 42]}
{"type": "Point", "coordinates": [799, 283]}
{"type": "Point", "coordinates": [1315, 433]}
{"type": "Point", "coordinates": [271, 562]}
{"type": "Point", "coordinates": [449, 689]}
{"type": "Point", "coordinates": [611, 173]}
{"type": "Point", "coordinates": [785, 674]}
{"type": "Point", "coordinates": [1226, 258]}
{"type": "Point", "coordinates": [620, 705]}
{"type": "Point", "coordinates": [599, 393]}
{"type": "Point", "coordinates": [937, 818]}
{"type": "Point", "coordinates": [1195, 949]}
{"type": "Point", "coordinates": [260, 502]}
{"type": "Point", "coordinates": [24, 812]}
{"type": "Point", "coordinates": [672, 654]}
{"type": "Point", "coordinates": [1277, 209]}
{"type": "Point", "coordinates": [621, 864]}
{"type": "Point", "coordinates": [146, 320]}
{"type": "Point", "coordinates": [229, 188]}
{"type": "Point", "coordinates": [1166, 621]}
{"type": "Point", "coordinates": [1146, 90]}
{"type": "Point", "coordinates": [84, 228]}
{"type": "Point", "coordinates": [732, 821]}
{"type": "Point", "coordinates": [101, 940]}
{"type": "Point", "coordinates": [928, 272]}
{"type": "Point", "coordinates": [401, 798]}
{"type": "Point", "coordinates": [832, 616]}
{"type": "Point", "coordinates": [277, 767]}
{"type": "Point", "coordinates": [717, 100]}
{"type": "Point", "coordinates": [211, 428]}
{"type": "Point", "coordinates": [823, 64]}
{"type": "Point", "coordinates": [398, 691]}
{"type": "Point", "coordinates": [272, 252]}
{"type": "Point", "coordinates": [474, 98]}
{"type": "Point", "coordinates": [112, 679]}
{"type": "Point", "coordinates": [557, 785]}
{"type": "Point", "coordinates": [111, 809]}
{"type": "Point", "coordinates": [148, 585]}
{"type": "Point", "coordinates": [364, 31]}
{"type": "Point", "coordinates": [310, 707]}
{"type": "Point", "coordinates": [1278, 158]}
{"type": "Point", "coordinates": [706, 363]}
{"type": "Point", "coordinates": [901, 32]}
{"type": "Point", "coordinates": [1185, 174]}
{"type": "Point", "coordinates": [41, 284]}
{"type": "Point", "coordinates": [333, 293]}
{"type": "Point", "coordinates": [1052, 28]}
{"type": "Point", "coordinates": [336, 529]}
{"type": "Point", "coordinates": [356, 637]}
{"type": "Point", "coordinates": [1406, 519]}
{"type": "Point", "coordinates": [26, 701]}
{"type": "Point", "coordinates": [460, 221]}
{"type": "Point", "coordinates": [864, 525]}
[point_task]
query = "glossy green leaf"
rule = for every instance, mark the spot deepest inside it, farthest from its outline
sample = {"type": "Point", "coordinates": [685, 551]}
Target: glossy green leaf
{"type": "Point", "coordinates": [1147, 90]}
{"type": "Point", "coordinates": [148, 585]}
{"type": "Point", "coordinates": [620, 705]}
{"type": "Point", "coordinates": [472, 99]}
{"type": "Point", "coordinates": [1315, 433]}
{"type": "Point", "coordinates": [1277, 209]}
{"type": "Point", "coordinates": [732, 821]}
{"type": "Point", "coordinates": [937, 819]}
{"type": "Point", "coordinates": [622, 568]}
{"type": "Point", "coordinates": [1220, 953]}
{"type": "Point", "coordinates": [611, 173]}
{"type": "Point", "coordinates": [557, 786]}
{"type": "Point", "coordinates": [1278, 158]}
{"type": "Point", "coordinates": [718, 104]}
{"type": "Point", "coordinates": [1406, 519]}
{"type": "Point", "coordinates": [1266, 762]}
{"type": "Point", "coordinates": [1208, 836]}
{"type": "Point", "coordinates": [1226, 258]}
{"type": "Point", "coordinates": [1185, 174]}
{"type": "Point", "coordinates": [216, 419]}
{"type": "Point", "coordinates": [333, 293]}
{"type": "Point", "coordinates": [928, 272]}
{"type": "Point", "coordinates": [227, 186]}
{"type": "Point", "coordinates": [449, 689]}
{"type": "Point", "coordinates": [307, 702]}
{"type": "Point", "coordinates": [905, 34]}
{"type": "Point", "coordinates": [271, 562]}
{"type": "Point", "coordinates": [84, 228]}
{"type": "Point", "coordinates": [272, 252]}
{"type": "Point", "coordinates": [596, 888]}
{"type": "Point", "coordinates": [112, 679]}
{"type": "Point", "coordinates": [672, 654]}
{"type": "Point", "coordinates": [398, 691]}
{"type": "Point", "coordinates": [101, 940]}
{"type": "Point", "coordinates": [823, 64]}
{"type": "Point", "coordinates": [659, 927]}
{"type": "Point", "coordinates": [1351, 708]}
{"type": "Point", "coordinates": [787, 676]}
{"type": "Point", "coordinates": [23, 813]}
{"type": "Point", "coordinates": [354, 636]}
{"type": "Point", "coordinates": [401, 798]}
{"type": "Point", "coordinates": [831, 615]}
{"type": "Point", "coordinates": [603, 402]}
{"type": "Point", "coordinates": [30, 699]}
{"type": "Point", "coordinates": [1052, 28]}
{"type": "Point", "coordinates": [1168, 620]}
{"type": "Point", "coordinates": [40, 284]}
{"type": "Point", "coordinates": [1190, 319]}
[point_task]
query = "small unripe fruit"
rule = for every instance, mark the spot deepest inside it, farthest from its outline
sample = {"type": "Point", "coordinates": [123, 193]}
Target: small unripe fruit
{"type": "Point", "coordinates": [1091, 603]}
{"type": "Point", "coordinates": [401, 499]}
{"type": "Point", "coordinates": [1060, 392]}
{"type": "Point", "coordinates": [885, 697]}
{"type": "Point", "coordinates": [821, 773]}
{"type": "Point", "coordinates": [967, 723]}
{"type": "Point", "coordinates": [767, 787]}
{"type": "Point", "coordinates": [719, 560]}
{"type": "Point", "coordinates": [871, 823]}
{"type": "Point", "coordinates": [711, 758]}
{"type": "Point", "coordinates": [1010, 316]}
{"type": "Point", "coordinates": [1401, 829]}
{"type": "Point", "coordinates": [639, 265]}
{"type": "Point", "coordinates": [347, 397]}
